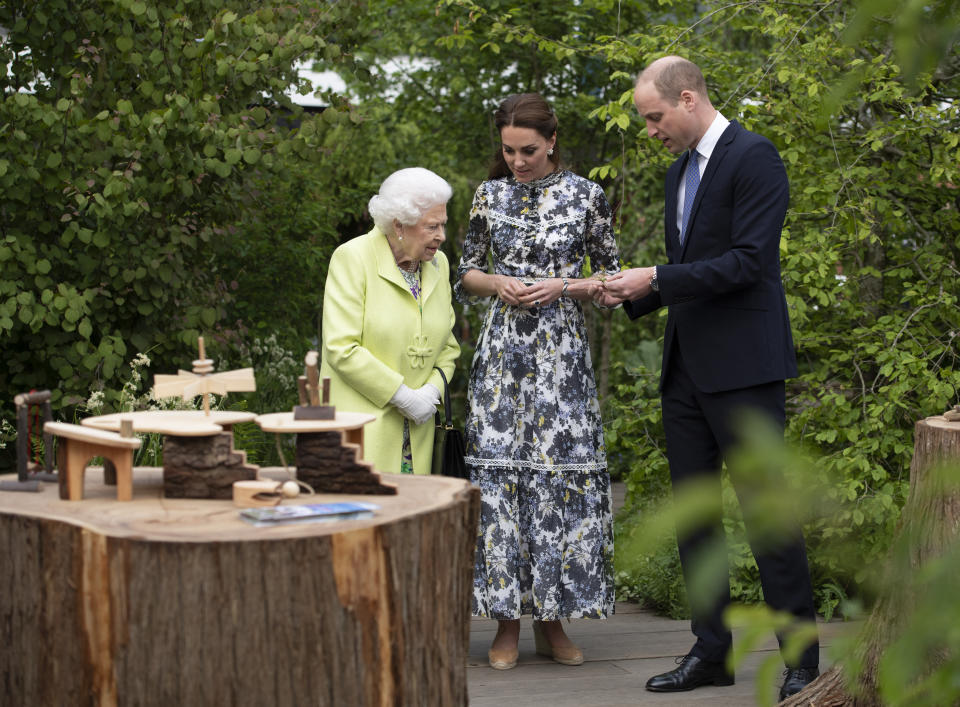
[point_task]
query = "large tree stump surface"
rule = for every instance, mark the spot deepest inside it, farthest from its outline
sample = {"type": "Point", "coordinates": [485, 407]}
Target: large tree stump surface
{"type": "Point", "coordinates": [931, 520]}
{"type": "Point", "coordinates": [161, 601]}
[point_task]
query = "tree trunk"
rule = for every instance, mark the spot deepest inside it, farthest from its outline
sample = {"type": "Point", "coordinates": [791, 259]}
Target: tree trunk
{"type": "Point", "coordinates": [930, 519]}
{"type": "Point", "coordinates": [160, 601]}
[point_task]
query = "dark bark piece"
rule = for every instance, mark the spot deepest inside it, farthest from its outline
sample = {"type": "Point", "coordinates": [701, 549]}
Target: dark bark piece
{"type": "Point", "coordinates": [203, 467]}
{"type": "Point", "coordinates": [328, 464]}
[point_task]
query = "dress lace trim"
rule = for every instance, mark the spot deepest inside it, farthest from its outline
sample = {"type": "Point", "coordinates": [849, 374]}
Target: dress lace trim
{"type": "Point", "coordinates": [535, 466]}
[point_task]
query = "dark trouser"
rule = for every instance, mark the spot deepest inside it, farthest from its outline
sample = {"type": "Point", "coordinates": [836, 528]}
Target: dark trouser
{"type": "Point", "coordinates": [700, 431]}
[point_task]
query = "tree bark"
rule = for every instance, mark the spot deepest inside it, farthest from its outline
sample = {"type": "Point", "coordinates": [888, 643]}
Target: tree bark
{"type": "Point", "coordinates": [930, 519]}
{"type": "Point", "coordinates": [203, 467]}
{"type": "Point", "coordinates": [161, 601]}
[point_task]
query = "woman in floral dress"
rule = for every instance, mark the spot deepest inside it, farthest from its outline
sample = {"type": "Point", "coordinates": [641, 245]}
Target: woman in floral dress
{"type": "Point", "coordinates": [534, 436]}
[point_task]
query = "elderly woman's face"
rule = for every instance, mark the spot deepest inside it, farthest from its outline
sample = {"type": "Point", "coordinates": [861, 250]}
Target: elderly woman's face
{"type": "Point", "coordinates": [422, 240]}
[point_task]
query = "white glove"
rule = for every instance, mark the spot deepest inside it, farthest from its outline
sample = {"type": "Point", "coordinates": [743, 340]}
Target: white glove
{"type": "Point", "coordinates": [416, 405]}
{"type": "Point", "coordinates": [430, 394]}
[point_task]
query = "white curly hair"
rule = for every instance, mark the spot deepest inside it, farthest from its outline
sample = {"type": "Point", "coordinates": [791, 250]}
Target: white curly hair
{"type": "Point", "coordinates": [405, 195]}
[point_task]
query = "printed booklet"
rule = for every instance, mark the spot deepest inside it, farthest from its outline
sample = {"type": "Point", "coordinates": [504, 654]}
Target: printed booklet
{"type": "Point", "coordinates": [309, 513]}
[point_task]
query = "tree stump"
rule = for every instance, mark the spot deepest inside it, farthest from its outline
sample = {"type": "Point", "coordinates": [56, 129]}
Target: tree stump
{"type": "Point", "coordinates": [162, 601]}
{"type": "Point", "coordinates": [931, 520]}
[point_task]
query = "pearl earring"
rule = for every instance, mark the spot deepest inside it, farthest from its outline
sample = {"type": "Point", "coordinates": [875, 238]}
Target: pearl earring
{"type": "Point", "coordinates": [550, 151]}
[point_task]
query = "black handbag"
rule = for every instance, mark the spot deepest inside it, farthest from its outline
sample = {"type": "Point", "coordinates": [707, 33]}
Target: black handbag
{"type": "Point", "coordinates": [448, 446]}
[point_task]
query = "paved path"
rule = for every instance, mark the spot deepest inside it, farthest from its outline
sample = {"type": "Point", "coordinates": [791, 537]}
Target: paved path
{"type": "Point", "coordinates": [621, 653]}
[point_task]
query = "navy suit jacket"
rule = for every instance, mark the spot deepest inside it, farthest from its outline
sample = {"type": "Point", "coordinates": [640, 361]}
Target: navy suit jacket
{"type": "Point", "coordinates": [727, 310]}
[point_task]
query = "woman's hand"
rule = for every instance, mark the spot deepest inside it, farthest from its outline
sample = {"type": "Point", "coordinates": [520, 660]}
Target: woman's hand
{"type": "Point", "coordinates": [509, 289]}
{"type": "Point", "coordinates": [417, 405]}
{"type": "Point", "coordinates": [542, 293]}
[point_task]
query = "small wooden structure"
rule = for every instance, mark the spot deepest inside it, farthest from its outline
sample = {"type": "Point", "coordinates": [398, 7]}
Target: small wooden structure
{"type": "Point", "coordinates": [29, 474]}
{"type": "Point", "coordinates": [329, 453]}
{"type": "Point", "coordinates": [314, 396]}
{"type": "Point", "coordinates": [179, 602]}
{"type": "Point", "coordinates": [199, 460]}
{"type": "Point", "coordinates": [203, 381]}
{"type": "Point", "coordinates": [78, 445]}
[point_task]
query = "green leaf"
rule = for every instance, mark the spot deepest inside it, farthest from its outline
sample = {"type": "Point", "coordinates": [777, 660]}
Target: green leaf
{"type": "Point", "coordinates": [124, 43]}
{"type": "Point", "coordinates": [84, 328]}
{"type": "Point", "coordinates": [54, 159]}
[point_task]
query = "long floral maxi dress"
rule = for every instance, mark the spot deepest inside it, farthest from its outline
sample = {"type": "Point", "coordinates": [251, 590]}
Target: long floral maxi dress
{"type": "Point", "coordinates": [533, 432]}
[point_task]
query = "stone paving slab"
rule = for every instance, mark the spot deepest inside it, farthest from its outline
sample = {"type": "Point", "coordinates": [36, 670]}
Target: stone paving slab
{"type": "Point", "coordinates": [621, 653]}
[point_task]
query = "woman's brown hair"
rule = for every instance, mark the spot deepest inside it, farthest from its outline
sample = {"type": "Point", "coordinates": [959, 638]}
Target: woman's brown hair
{"type": "Point", "coordinates": [524, 110]}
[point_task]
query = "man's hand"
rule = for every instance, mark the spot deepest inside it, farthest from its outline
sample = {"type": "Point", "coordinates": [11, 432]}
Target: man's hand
{"type": "Point", "coordinates": [605, 299]}
{"type": "Point", "coordinates": [629, 284]}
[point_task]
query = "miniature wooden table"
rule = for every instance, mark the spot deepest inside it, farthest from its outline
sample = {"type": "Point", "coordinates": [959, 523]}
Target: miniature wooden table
{"type": "Point", "coordinates": [160, 601]}
{"type": "Point", "coordinates": [199, 460]}
{"type": "Point", "coordinates": [351, 423]}
{"type": "Point", "coordinates": [176, 423]}
{"type": "Point", "coordinates": [328, 456]}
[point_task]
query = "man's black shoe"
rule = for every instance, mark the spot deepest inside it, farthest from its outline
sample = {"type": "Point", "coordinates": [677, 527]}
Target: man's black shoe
{"type": "Point", "coordinates": [795, 679]}
{"type": "Point", "coordinates": [692, 672]}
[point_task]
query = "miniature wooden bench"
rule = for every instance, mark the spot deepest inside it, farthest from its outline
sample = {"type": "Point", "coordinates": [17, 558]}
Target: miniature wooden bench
{"type": "Point", "coordinates": [78, 445]}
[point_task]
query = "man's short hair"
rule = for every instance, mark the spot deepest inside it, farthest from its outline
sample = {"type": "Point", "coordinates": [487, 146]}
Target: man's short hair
{"type": "Point", "coordinates": [674, 75]}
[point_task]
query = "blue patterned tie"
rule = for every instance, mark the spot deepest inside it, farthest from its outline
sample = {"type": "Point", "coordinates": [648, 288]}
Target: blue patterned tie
{"type": "Point", "coordinates": [691, 181]}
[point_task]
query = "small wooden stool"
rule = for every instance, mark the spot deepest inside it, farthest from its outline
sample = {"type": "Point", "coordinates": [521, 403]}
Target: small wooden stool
{"type": "Point", "coordinates": [78, 445]}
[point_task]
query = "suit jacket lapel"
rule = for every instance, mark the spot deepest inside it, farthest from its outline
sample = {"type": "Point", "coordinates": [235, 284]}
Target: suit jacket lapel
{"type": "Point", "coordinates": [716, 157]}
{"type": "Point", "coordinates": [670, 210]}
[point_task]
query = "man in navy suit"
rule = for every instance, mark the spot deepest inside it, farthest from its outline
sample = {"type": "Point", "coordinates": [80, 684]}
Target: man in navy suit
{"type": "Point", "coordinates": [727, 345]}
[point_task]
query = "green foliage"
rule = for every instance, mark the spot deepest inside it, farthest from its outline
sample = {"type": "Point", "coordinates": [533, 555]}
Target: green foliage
{"type": "Point", "coordinates": [139, 143]}
{"type": "Point", "coordinates": [921, 32]}
{"type": "Point", "coordinates": [156, 184]}
{"type": "Point", "coordinates": [868, 249]}
{"type": "Point", "coordinates": [276, 369]}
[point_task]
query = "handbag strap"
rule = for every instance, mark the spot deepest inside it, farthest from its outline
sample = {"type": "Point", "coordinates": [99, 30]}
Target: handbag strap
{"type": "Point", "coordinates": [448, 422]}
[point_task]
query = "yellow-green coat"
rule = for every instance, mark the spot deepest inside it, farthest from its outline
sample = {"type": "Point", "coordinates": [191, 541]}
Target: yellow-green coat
{"type": "Point", "coordinates": [375, 338]}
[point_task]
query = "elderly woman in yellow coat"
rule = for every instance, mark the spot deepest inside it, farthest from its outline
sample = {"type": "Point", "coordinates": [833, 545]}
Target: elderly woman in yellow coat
{"type": "Point", "coordinates": [388, 320]}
